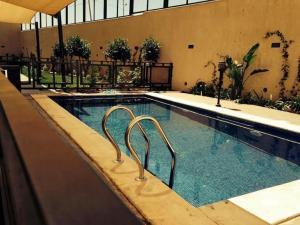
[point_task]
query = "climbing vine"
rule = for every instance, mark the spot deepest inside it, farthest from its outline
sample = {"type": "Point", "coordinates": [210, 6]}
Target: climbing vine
{"type": "Point", "coordinates": [296, 88]}
{"type": "Point", "coordinates": [214, 73]}
{"type": "Point", "coordinates": [285, 68]}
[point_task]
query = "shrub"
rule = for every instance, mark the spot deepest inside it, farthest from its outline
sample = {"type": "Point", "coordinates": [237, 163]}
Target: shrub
{"type": "Point", "coordinates": [92, 77]}
{"type": "Point", "coordinates": [56, 50]}
{"type": "Point", "coordinates": [290, 105]}
{"type": "Point", "coordinates": [295, 104]}
{"type": "Point", "coordinates": [129, 76]}
{"type": "Point", "coordinates": [225, 93]}
{"type": "Point", "coordinates": [254, 99]}
{"type": "Point", "coordinates": [201, 88]}
{"type": "Point", "coordinates": [78, 47]}
{"type": "Point", "coordinates": [150, 50]}
{"type": "Point", "coordinates": [118, 49]}
{"type": "Point", "coordinates": [92, 80]}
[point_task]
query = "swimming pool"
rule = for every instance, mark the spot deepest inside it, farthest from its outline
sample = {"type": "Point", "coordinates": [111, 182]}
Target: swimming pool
{"type": "Point", "coordinates": [217, 158]}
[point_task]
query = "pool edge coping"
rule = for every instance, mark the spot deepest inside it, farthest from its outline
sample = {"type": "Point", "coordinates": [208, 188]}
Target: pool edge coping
{"type": "Point", "coordinates": [228, 112]}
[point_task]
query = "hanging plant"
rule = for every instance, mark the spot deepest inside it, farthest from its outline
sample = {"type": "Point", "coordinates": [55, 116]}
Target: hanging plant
{"type": "Point", "coordinates": [150, 50]}
{"type": "Point", "coordinates": [285, 68]}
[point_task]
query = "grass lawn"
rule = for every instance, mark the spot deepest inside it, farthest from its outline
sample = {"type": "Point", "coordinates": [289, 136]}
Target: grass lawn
{"type": "Point", "coordinates": [48, 79]}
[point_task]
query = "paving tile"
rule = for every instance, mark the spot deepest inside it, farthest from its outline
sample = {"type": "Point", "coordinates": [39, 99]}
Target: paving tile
{"type": "Point", "coordinates": [272, 205]}
{"type": "Point", "coordinates": [295, 221]}
{"type": "Point", "coordinates": [226, 213]}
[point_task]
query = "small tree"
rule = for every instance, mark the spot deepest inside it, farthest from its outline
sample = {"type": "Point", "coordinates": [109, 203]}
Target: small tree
{"type": "Point", "coordinates": [118, 49]}
{"type": "Point", "coordinates": [56, 50]}
{"type": "Point", "coordinates": [78, 47]}
{"type": "Point", "coordinates": [150, 49]}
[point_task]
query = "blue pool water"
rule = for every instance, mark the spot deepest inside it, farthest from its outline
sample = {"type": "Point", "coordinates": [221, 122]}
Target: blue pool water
{"type": "Point", "coordinates": [211, 165]}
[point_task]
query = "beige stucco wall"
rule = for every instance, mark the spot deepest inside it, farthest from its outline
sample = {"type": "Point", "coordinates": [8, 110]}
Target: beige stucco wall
{"type": "Point", "coordinates": [215, 28]}
{"type": "Point", "coordinates": [10, 38]}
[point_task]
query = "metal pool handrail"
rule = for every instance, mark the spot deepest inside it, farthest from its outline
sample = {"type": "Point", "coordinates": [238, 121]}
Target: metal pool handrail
{"type": "Point", "coordinates": [111, 139]}
{"type": "Point", "coordinates": [163, 136]}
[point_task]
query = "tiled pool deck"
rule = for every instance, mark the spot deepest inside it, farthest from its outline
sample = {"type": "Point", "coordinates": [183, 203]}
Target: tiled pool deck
{"type": "Point", "coordinates": [272, 117]}
{"type": "Point", "coordinates": [159, 205]}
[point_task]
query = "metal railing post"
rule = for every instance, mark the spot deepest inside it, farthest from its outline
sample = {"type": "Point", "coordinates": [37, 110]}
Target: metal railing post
{"type": "Point", "coordinates": [77, 75]}
{"type": "Point", "coordinates": [150, 77]}
{"type": "Point", "coordinates": [61, 49]}
{"type": "Point", "coordinates": [114, 74]}
{"type": "Point", "coordinates": [105, 9]}
{"type": "Point", "coordinates": [38, 51]}
{"type": "Point", "coordinates": [131, 7]}
{"type": "Point", "coordinates": [170, 76]}
{"type": "Point", "coordinates": [166, 3]}
{"type": "Point", "coordinates": [33, 66]}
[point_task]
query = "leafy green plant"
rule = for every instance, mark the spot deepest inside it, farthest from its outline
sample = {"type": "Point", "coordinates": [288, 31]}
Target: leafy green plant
{"type": "Point", "coordinates": [214, 80]}
{"type": "Point", "coordinates": [78, 47]}
{"type": "Point", "coordinates": [150, 50]}
{"type": "Point", "coordinates": [284, 104]}
{"type": "Point", "coordinates": [237, 71]}
{"type": "Point", "coordinates": [56, 50]}
{"type": "Point", "coordinates": [201, 88]}
{"type": "Point", "coordinates": [254, 98]}
{"type": "Point", "coordinates": [285, 67]}
{"type": "Point", "coordinates": [295, 104]}
{"type": "Point", "coordinates": [280, 105]}
{"type": "Point", "coordinates": [129, 76]}
{"type": "Point", "coordinates": [118, 49]}
{"type": "Point", "coordinates": [92, 78]}
{"type": "Point", "coordinates": [225, 93]}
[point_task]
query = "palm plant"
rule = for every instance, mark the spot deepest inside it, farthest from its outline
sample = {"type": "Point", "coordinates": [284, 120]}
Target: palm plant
{"type": "Point", "coordinates": [237, 71]}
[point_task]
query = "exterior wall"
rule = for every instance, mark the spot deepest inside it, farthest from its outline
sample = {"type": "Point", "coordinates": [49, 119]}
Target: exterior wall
{"type": "Point", "coordinates": [215, 28]}
{"type": "Point", "coordinates": [10, 39]}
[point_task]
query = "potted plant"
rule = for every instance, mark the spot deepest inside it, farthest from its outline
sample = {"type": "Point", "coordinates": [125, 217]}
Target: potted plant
{"type": "Point", "coordinates": [150, 50]}
{"type": "Point", "coordinates": [118, 49]}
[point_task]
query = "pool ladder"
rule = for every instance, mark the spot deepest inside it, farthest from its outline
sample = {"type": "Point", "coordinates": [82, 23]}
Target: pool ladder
{"type": "Point", "coordinates": [136, 121]}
